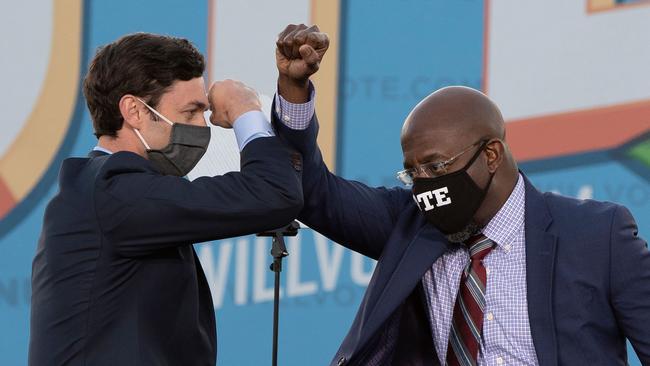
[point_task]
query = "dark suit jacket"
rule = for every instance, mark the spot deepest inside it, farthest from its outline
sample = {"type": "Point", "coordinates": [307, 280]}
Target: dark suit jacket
{"type": "Point", "coordinates": [588, 272]}
{"type": "Point", "coordinates": [116, 281]}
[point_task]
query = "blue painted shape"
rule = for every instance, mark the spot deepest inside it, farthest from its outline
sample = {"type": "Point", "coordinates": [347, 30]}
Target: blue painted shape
{"type": "Point", "coordinates": [392, 55]}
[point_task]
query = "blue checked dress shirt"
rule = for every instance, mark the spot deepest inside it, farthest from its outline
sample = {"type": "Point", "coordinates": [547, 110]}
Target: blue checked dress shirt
{"type": "Point", "coordinates": [506, 336]}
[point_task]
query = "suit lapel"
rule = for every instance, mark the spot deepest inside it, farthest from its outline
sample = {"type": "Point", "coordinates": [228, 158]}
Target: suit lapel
{"type": "Point", "coordinates": [426, 246]}
{"type": "Point", "coordinates": [540, 264]}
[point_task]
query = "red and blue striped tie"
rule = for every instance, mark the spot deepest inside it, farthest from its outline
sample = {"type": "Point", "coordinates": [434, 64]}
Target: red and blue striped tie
{"type": "Point", "coordinates": [467, 323]}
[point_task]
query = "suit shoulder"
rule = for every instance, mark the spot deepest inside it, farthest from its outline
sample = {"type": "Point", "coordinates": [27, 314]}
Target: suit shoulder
{"type": "Point", "coordinates": [83, 173]}
{"type": "Point", "coordinates": [402, 196]}
{"type": "Point", "coordinates": [126, 176]}
{"type": "Point", "coordinates": [124, 162]}
{"type": "Point", "coordinates": [573, 209]}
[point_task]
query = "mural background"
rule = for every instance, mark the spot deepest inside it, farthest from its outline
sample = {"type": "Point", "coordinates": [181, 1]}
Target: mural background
{"type": "Point", "coordinates": [570, 77]}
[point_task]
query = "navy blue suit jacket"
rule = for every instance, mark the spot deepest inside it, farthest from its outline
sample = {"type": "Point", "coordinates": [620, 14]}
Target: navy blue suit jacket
{"type": "Point", "coordinates": [116, 281]}
{"type": "Point", "coordinates": [588, 272]}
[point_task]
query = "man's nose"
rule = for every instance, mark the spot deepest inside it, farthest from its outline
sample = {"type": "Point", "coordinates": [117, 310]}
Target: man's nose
{"type": "Point", "coordinates": [418, 172]}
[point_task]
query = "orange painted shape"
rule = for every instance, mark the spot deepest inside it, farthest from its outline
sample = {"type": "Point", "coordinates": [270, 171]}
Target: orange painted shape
{"type": "Point", "coordinates": [7, 200]}
{"type": "Point", "coordinates": [577, 132]}
{"type": "Point", "coordinates": [599, 6]}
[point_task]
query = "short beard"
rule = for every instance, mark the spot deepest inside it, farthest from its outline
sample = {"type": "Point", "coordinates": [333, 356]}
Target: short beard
{"type": "Point", "coordinates": [470, 230]}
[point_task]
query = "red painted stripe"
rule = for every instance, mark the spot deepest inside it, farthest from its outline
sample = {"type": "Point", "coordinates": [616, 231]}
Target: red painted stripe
{"type": "Point", "coordinates": [577, 132]}
{"type": "Point", "coordinates": [7, 200]}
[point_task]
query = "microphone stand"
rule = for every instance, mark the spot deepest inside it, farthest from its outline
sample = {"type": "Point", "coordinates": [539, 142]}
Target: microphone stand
{"type": "Point", "coordinates": [278, 251]}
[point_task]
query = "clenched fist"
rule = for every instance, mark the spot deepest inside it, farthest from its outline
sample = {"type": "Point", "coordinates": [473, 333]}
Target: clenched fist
{"type": "Point", "coordinates": [229, 99]}
{"type": "Point", "coordinates": [299, 51]}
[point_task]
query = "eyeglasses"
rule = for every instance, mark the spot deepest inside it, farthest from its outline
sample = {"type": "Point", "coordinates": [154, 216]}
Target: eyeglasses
{"type": "Point", "coordinates": [434, 169]}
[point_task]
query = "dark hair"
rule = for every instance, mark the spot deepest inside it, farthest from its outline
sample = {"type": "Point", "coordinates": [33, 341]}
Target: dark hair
{"type": "Point", "coordinates": [142, 64]}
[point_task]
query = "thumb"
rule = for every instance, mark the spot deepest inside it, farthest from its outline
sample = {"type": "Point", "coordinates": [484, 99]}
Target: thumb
{"type": "Point", "coordinates": [214, 118]}
{"type": "Point", "coordinates": [308, 54]}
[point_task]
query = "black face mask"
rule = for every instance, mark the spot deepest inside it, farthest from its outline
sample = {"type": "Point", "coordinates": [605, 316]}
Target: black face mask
{"type": "Point", "coordinates": [450, 201]}
{"type": "Point", "coordinates": [186, 147]}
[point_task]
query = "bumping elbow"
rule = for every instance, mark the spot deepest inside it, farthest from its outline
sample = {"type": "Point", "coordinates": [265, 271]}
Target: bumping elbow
{"type": "Point", "coordinates": [289, 210]}
{"type": "Point", "coordinates": [295, 202]}
{"type": "Point", "coordinates": [293, 198]}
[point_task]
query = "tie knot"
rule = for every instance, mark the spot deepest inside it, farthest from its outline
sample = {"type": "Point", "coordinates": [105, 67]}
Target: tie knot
{"type": "Point", "coordinates": [479, 246]}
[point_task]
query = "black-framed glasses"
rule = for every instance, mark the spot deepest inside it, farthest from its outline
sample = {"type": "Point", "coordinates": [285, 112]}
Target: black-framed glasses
{"type": "Point", "coordinates": [433, 169]}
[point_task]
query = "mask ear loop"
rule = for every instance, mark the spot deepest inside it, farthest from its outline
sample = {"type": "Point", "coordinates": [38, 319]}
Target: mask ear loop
{"type": "Point", "coordinates": [141, 139]}
{"type": "Point", "coordinates": [137, 132]}
{"type": "Point", "coordinates": [476, 155]}
{"type": "Point", "coordinates": [487, 187]}
{"type": "Point", "coordinates": [155, 112]}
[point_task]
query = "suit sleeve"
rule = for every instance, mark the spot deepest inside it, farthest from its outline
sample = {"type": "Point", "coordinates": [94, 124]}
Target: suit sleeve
{"type": "Point", "coordinates": [348, 212]}
{"type": "Point", "coordinates": [142, 211]}
{"type": "Point", "coordinates": [630, 281]}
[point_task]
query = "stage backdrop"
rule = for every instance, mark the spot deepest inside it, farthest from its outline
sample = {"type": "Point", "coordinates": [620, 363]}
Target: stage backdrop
{"type": "Point", "coordinates": [570, 76]}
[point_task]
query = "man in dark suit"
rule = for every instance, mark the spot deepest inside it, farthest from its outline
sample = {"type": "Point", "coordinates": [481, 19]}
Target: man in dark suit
{"type": "Point", "coordinates": [475, 265]}
{"type": "Point", "coordinates": [115, 278]}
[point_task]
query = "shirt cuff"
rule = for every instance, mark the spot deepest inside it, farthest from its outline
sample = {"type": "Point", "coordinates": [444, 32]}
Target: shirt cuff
{"type": "Point", "coordinates": [249, 126]}
{"type": "Point", "coordinates": [295, 116]}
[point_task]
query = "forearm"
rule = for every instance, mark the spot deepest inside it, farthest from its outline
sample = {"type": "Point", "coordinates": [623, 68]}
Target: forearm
{"type": "Point", "coordinates": [145, 212]}
{"type": "Point", "coordinates": [348, 212]}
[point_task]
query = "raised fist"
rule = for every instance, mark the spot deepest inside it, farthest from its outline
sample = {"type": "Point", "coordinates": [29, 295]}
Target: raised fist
{"type": "Point", "coordinates": [229, 99]}
{"type": "Point", "coordinates": [299, 51]}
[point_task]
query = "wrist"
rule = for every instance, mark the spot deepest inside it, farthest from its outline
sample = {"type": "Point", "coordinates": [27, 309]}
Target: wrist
{"type": "Point", "coordinates": [294, 90]}
{"type": "Point", "coordinates": [250, 125]}
{"type": "Point", "coordinates": [237, 113]}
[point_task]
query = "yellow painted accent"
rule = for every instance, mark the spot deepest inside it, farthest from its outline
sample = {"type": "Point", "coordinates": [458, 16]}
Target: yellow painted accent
{"type": "Point", "coordinates": [596, 5]}
{"type": "Point", "coordinates": [31, 152]}
{"type": "Point", "coordinates": [326, 14]}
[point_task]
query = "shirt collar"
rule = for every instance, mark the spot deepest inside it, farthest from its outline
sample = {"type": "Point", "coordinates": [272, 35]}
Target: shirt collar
{"type": "Point", "coordinates": [510, 218]}
{"type": "Point", "coordinates": [99, 148]}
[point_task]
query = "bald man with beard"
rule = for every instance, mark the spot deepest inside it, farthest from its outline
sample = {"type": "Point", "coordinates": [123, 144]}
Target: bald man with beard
{"type": "Point", "coordinates": [475, 265]}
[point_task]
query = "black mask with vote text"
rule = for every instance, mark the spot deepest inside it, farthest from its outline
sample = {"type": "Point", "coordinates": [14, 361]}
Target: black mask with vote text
{"type": "Point", "coordinates": [450, 201]}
